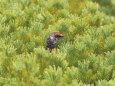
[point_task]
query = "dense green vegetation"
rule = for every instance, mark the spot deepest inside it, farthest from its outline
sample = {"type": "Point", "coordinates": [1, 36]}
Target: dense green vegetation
{"type": "Point", "coordinates": [85, 56]}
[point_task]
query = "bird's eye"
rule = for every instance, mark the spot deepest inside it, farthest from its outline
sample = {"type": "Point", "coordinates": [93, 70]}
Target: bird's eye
{"type": "Point", "coordinates": [57, 35]}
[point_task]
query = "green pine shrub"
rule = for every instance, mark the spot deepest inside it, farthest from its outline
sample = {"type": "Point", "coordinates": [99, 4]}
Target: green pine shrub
{"type": "Point", "coordinates": [84, 56]}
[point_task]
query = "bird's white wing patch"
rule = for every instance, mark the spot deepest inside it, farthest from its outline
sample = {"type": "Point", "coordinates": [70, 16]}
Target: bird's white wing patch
{"type": "Point", "coordinates": [52, 38]}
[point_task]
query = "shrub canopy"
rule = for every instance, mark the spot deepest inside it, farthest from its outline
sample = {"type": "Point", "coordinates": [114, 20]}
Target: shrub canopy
{"type": "Point", "coordinates": [86, 54]}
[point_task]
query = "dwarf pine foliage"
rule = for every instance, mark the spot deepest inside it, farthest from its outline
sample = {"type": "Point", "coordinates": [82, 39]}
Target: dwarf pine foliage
{"type": "Point", "coordinates": [85, 56]}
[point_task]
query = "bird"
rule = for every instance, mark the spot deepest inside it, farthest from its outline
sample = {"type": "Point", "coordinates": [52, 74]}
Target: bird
{"type": "Point", "coordinates": [52, 39]}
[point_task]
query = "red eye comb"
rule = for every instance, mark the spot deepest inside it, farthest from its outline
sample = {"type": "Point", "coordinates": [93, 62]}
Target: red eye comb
{"type": "Point", "coordinates": [57, 34]}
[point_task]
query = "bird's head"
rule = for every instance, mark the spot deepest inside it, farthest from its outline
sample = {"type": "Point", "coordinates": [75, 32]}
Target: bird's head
{"type": "Point", "coordinates": [55, 36]}
{"type": "Point", "coordinates": [58, 35]}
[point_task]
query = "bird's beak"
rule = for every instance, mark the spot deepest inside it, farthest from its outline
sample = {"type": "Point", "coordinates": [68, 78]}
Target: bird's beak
{"type": "Point", "coordinates": [61, 35]}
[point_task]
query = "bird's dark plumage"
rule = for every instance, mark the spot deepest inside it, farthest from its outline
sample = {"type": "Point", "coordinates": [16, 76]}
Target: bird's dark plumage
{"type": "Point", "coordinates": [51, 40]}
